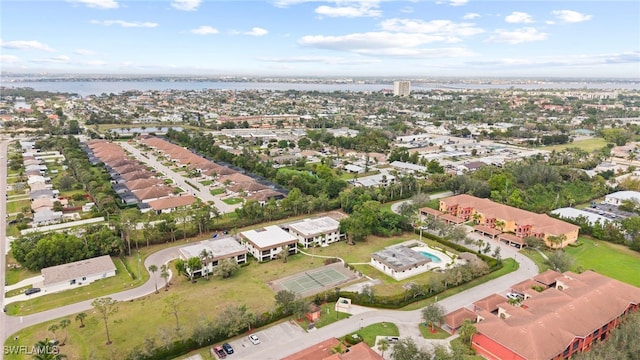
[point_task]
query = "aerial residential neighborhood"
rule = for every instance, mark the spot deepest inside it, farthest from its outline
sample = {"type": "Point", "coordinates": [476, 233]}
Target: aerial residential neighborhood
{"type": "Point", "coordinates": [347, 238]}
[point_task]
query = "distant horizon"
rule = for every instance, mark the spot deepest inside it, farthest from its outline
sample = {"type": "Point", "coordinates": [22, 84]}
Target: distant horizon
{"type": "Point", "coordinates": [324, 38]}
{"type": "Point", "coordinates": [191, 77]}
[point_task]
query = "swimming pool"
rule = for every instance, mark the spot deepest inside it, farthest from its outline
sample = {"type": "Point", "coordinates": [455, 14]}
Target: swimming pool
{"type": "Point", "coordinates": [433, 258]}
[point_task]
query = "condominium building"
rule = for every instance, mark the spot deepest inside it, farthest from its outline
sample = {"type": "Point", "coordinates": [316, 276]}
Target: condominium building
{"type": "Point", "coordinates": [401, 88]}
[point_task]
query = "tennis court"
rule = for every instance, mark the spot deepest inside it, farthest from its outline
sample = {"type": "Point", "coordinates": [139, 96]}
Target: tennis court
{"type": "Point", "coordinates": [314, 281]}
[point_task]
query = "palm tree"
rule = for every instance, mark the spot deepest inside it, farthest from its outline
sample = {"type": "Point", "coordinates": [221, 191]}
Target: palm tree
{"type": "Point", "coordinates": [205, 254]}
{"type": "Point", "coordinates": [53, 328]}
{"type": "Point", "coordinates": [106, 307]}
{"type": "Point", "coordinates": [153, 268]}
{"type": "Point", "coordinates": [47, 350]}
{"type": "Point", "coordinates": [467, 330]}
{"type": "Point", "coordinates": [80, 317]}
{"type": "Point", "coordinates": [164, 273]}
{"type": "Point", "coordinates": [383, 345]}
{"type": "Point", "coordinates": [64, 323]}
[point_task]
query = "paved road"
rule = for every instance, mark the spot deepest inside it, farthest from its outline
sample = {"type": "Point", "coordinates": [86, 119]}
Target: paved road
{"type": "Point", "coordinates": [3, 225]}
{"type": "Point", "coordinates": [396, 206]}
{"type": "Point", "coordinates": [202, 192]}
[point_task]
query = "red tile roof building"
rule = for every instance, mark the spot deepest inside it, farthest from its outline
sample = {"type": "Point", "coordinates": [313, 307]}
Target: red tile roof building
{"type": "Point", "coordinates": [567, 318]}
{"type": "Point", "coordinates": [520, 223]}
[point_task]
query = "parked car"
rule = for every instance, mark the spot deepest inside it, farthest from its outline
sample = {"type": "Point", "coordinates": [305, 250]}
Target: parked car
{"type": "Point", "coordinates": [227, 348]}
{"type": "Point", "coordinates": [219, 351]}
{"type": "Point", "coordinates": [515, 296]}
{"type": "Point", "coordinates": [254, 339]}
{"type": "Point", "coordinates": [32, 291]}
{"type": "Point", "coordinates": [392, 339]}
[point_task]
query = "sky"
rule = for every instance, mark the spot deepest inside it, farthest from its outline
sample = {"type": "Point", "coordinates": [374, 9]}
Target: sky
{"type": "Point", "coordinates": [366, 38]}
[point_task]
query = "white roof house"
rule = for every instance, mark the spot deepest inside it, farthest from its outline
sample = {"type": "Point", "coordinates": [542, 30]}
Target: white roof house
{"type": "Point", "coordinates": [618, 197]}
{"type": "Point", "coordinates": [319, 231]}
{"type": "Point", "coordinates": [405, 166]}
{"type": "Point", "coordinates": [267, 243]}
{"type": "Point", "coordinates": [218, 249]}
{"type": "Point", "coordinates": [78, 273]}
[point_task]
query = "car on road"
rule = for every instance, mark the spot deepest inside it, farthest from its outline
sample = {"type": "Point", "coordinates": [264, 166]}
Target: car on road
{"type": "Point", "coordinates": [227, 348]}
{"type": "Point", "coordinates": [32, 291]}
{"type": "Point", "coordinates": [219, 351]}
{"type": "Point", "coordinates": [255, 340]}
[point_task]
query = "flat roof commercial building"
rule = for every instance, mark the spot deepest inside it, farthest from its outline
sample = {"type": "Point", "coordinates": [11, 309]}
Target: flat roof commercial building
{"type": "Point", "coordinates": [266, 243]}
{"type": "Point", "coordinates": [214, 251]}
{"type": "Point", "coordinates": [316, 232]}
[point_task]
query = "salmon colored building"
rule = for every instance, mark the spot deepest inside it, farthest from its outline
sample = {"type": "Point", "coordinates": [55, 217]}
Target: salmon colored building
{"type": "Point", "coordinates": [576, 311]}
{"type": "Point", "coordinates": [508, 223]}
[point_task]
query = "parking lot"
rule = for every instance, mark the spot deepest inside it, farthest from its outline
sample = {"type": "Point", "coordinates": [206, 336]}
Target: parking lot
{"type": "Point", "coordinates": [244, 349]}
{"type": "Point", "coordinates": [609, 211]}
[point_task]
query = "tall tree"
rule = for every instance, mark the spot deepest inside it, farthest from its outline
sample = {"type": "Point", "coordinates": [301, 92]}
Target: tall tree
{"type": "Point", "coordinates": [466, 331]}
{"type": "Point", "coordinates": [64, 324]}
{"type": "Point", "coordinates": [106, 307]}
{"type": "Point", "coordinates": [153, 268]}
{"type": "Point", "coordinates": [383, 345]}
{"type": "Point", "coordinates": [80, 317]}
{"type": "Point", "coordinates": [433, 314]}
{"type": "Point", "coordinates": [47, 350]}
{"type": "Point", "coordinates": [407, 349]}
{"type": "Point", "coordinates": [172, 307]}
{"type": "Point", "coordinates": [164, 273]}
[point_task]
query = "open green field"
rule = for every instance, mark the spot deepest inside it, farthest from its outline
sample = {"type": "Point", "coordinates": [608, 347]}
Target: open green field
{"type": "Point", "coordinates": [587, 145]}
{"type": "Point", "coordinates": [615, 261]}
{"type": "Point", "coordinates": [217, 191]}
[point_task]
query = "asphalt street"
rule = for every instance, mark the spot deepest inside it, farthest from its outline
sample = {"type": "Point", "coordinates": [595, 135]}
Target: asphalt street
{"type": "Point", "coordinates": [202, 192]}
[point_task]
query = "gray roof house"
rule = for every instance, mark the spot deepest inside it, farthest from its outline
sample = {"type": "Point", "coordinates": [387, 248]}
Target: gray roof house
{"type": "Point", "coordinates": [66, 276]}
{"type": "Point", "coordinates": [46, 217]}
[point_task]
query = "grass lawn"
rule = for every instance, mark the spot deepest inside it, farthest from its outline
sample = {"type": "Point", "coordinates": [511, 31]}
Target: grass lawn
{"type": "Point", "coordinates": [16, 206]}
{"type": "Point", "coordinates": [13, 275]}
{"type": "Point", "coordinates": [616, 261]}
{"type": "Point", "coordinates": [427, 334]}
{"type": "Point", "coordinates": [348, 176]}
{"type": "Point", "coordinates": [217, 191]}
{"type": "Point", "coordinates": [206, 182]}
{"type": "Point", "coordinates": [369, 333]}
{"type": "Point", "coordinates": [587, 145]}
{"type": "Point", "coordinates": [232, 201]}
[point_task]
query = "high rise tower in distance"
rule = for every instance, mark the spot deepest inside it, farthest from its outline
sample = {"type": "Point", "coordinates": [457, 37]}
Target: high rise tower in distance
{"type": "Point", "coordinates": [401, 88]}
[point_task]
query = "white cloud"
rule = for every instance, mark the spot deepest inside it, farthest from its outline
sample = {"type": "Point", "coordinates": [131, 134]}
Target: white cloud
{"type": "Point", "coordinates": [571, 16]}
{"type": "Point", "coordinates": [447, 29]}
{"type": "Point", "coordinates": [186, 5]}
{"type": "Point", "coordinates": [382, 43]}
{"type": "Point", "coordinates": [565, 60]}
{"type": "Point", "coordinates": [257, 31]}
{"type": "Point", "coordinates": [84, 52]}
{"type": "Point", "coordinates": [9, 59]}
{"type": "Point", "coordinates": [518, 17]}
{"type": "Point", "coordinates": [204, 30]}
{"type": "Point", "coordinates": [550, 22]}
{"type": "Point", "coordinates": [25, 45]}
{"type": "Point", "coordinates": [125, 24]}
{"type": "Point", "coordinates": [458, 2]}
{"type": "Point", "coordinates": [471, 16]}
{"type": "Point", "coordinates": [329, 60]}
{"type": "Point", "coordinates": [100, 4]}
{"type": "Point", "coordinates": [406, 10]}
{"type": "Point", "coordinates": [365, 9]}
{"type": "Point", "coordinates": [517, 36]}
{"type": "Point", "coordinates": [60, 59]}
